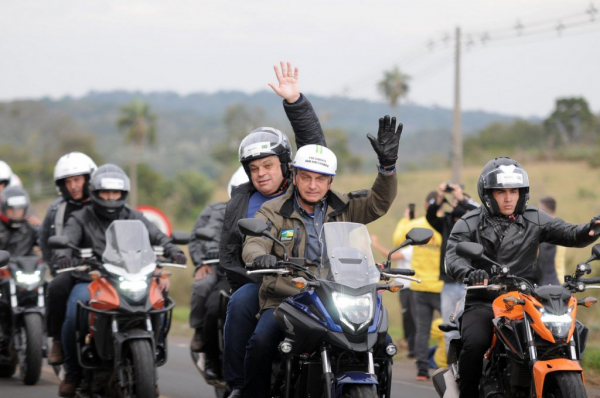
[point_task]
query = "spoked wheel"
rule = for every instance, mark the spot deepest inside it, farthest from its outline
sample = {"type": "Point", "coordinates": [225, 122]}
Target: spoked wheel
{"type": "Point", "coordinates": [31, 345]}
{"type": "Point", "coordinates": [360, 391]}
{"type": "Point", "coordinates": [564, 385]}
{"type": "Point", "coordinates": [139, 371]}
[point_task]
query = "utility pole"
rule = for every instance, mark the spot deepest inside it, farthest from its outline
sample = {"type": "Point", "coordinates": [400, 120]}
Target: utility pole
{"type": "Point", "coordinates": [457, 152]}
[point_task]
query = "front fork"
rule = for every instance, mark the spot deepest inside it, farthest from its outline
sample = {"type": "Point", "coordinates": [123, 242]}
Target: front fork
{"type": "Point", "coordinates": [328, 375]}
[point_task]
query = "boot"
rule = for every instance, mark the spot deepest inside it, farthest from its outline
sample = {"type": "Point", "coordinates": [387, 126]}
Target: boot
{"type": "Point", "coordinates": [197, 343]}
{"type": "Point", "coordinates": [69, 385]}
{"type": "Point", "coordinates": [55, 356]}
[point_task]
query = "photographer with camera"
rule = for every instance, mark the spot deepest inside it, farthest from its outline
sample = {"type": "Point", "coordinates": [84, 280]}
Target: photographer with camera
{"type": "Point", "coordinates": [461, 204]}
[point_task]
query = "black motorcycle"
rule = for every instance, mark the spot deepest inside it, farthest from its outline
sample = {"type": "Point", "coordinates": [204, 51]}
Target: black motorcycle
{"type": "Point", "coordinates": [22, 311]}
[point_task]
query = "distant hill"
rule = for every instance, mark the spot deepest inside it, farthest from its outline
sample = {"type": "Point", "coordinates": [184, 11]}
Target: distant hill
{"type": "Point", "coordinates": [189, 124]}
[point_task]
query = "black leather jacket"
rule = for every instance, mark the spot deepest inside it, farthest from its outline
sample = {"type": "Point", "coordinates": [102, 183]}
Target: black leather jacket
{"type": "Point", "coordinates": [307, 130]}
{"type": "Point", "coordinates": [210, 217]}
{"type": "Point", "coordinates": [18, 241]}
{"type": "Point", "coordinates": [518, 250]}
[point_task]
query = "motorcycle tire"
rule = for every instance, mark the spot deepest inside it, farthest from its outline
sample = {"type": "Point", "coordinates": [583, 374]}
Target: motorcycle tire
{"type": "Point", "coordinates": [140, 371]}
{"type": "Point", "coordinates": [360, 391]}
{"type": "Point", "coordinates": [564, 385]}
{"type": "Point", "coordinates": [30, 364]}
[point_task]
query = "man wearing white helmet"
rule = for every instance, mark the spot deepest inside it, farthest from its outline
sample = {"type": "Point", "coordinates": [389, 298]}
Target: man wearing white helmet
{"type": "Point", "coordinates": [299, 214]}
{"type": "Point", "coordinates": [71, 177]}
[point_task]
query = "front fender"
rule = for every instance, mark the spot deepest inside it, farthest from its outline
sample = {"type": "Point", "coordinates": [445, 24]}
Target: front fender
{"type": "Point", "coordinates": [120, 338]}
{"type": "Point", "coordinates": [542, 368]}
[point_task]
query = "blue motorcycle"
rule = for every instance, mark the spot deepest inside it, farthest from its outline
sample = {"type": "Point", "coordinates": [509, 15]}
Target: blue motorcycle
{"type": "Point", "coordinates": [336, 329]}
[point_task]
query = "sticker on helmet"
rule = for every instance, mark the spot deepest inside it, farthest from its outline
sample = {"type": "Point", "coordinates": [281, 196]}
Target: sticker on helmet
{"type": "Point", "coordinates": [508, 176]}
{"type": "Point", "coordinates": [16, 201]}
{"type": "Point", "coordinates": [287, 235]}
{"type": "Point", "coordinates": [256, 149]}
{"type": "Point", "coordinates": [112, 184]}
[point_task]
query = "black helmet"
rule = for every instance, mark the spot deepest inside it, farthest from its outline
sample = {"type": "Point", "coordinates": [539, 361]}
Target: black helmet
{"type": "Point", "coordinates": [263, 142]}
{"type": "Point", "coordinates": [500, 173]}
{"type": "Point", "coordinates": [109, 177]}
{"type": "Point", "coordinates": [13, 198]}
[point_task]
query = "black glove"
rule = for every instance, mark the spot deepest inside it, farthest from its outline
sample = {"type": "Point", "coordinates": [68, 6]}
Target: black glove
{"type": "Point", "coordinates": [478, 276]}
{"type": "Point", "coordinates": [595, 227]}
{"type": "Point", "coordinates": [211, 254]}
{"type": "Point", "coordinates": [179, 258]}
{"type": "Point", "coordinates": [266, 261]}
{"type": "Point", "coordinates": [64, 262]}
{"type": "Point", "coordinates": [387, 142]}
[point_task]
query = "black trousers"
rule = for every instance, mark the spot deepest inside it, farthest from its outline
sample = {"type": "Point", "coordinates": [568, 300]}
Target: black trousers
{"type": "Point", "coordinates": [476, 333]}
{"type": "Point", "coordinates": [408, 309]}
{"type": "Point", "coordinates": [57, 296]}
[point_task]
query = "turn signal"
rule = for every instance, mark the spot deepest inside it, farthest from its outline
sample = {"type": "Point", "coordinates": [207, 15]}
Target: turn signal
{"type": "Point", "coordinates": [588, 301]}
{"type": "Point", "coordinates": [395, 286]}
{"type": "Point", "coordinates": [300, 282]}
{"type": "Point", "coordinates": [95, 275]}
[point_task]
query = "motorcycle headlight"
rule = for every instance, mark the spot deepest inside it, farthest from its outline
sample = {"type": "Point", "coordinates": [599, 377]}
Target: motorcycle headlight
{"type": "Point", "coordinates": [27, 279]}
{"type": "Point", "coordinates": [559, 325]}
{"type": "Point", "coordinates": [134, 289]}
{"type": "Point", "coordinates": [355, 311]}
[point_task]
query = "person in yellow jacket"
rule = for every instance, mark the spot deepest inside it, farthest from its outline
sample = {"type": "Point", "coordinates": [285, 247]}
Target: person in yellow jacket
{"type": "Point", "coordinates": [426, 263]}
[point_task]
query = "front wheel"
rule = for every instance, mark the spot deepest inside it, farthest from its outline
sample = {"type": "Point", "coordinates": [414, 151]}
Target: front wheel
{"type": "Point", "coordinates": [360, 391]}
{"type": "Point", "coordinates": [564, 385]}
{"type": "Point", "coordinates": [30, 354]}
{"type": "Point", "coordinates": [139, 371]}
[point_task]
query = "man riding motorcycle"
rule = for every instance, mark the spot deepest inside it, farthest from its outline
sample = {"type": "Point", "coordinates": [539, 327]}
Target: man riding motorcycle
{"type": "Point", "coordinates": [17, 236]}
{"type": "Point", "coordinates": [71, 177]}
{"type": "Point", "coordinates": [109, 186]}
{"type": "Point", "coordinates": [510, 232]}
{"type": "Point", "coordinates": [296, 218]}
{"type": "Point", "coordinates": [269, 152]}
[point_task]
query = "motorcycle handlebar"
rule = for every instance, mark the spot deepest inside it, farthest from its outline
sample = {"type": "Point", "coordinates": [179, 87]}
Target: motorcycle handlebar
{"type": "Point", "coordinates": [591, 280]}
{"type": "Point", "coordinates": [399, 271]}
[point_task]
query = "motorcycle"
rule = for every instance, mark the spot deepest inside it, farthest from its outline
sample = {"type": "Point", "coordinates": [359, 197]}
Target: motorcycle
{"type": "Point", "coordinates": [337, 325]}
{"type": "Point", "coordinates": [22, 311]}
{"type": "Point", "coordinates": [220, 386]}
{"type": "Point", "coordinates": [537, 343]}
{"type": "Point", "coordinates": [122, 331]}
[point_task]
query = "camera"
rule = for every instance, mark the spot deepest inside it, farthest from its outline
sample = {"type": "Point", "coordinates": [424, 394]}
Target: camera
{"type": "Point", "coordinates": [448, 187]}
{"type": "Point", "coordinates": [411, 211]}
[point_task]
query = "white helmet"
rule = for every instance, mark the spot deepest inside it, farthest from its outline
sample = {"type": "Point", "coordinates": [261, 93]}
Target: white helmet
{"type": "Point", "coordinates": [316, 158]}
{"type": "Point", "coordinates": [5, 173]}
{"type": "Point", "coordinates": [15, 181]}
{"type": "Point", "coordinates": [73, 164]}
{"type": "Point", "coordinates": [238, 178]}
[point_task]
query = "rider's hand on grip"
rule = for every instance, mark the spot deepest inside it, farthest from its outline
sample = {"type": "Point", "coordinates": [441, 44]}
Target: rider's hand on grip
{"type": "Point", "coordinates": [266, 261]}
{"type": "Point", "coordinates": [387, 142]}
{"type": "Point", "coordinates": [478, 277]}
{"type": "Point", "coordinates": [212, 254]}
{"type": "Point", "coordinates": [179, 258]}
{"type": "Point", "coordinates": [595, 226]}
{"type": "Point", "coordinates": [65, 262]}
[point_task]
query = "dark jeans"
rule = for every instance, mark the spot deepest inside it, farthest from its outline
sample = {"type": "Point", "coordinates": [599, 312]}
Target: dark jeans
{"type": "Point", "coordinates": [57, 296]}
{"type": "Point", "coordinates": [79, 293]}
{"type": "Point", "coordinates": [408, 309]}
{"type": "Point", "coordinates": [260, 352]}
{"type": "Point", "coordinates": [239, 327]}
{"type": "Point", "coordinates": [426, 303]}
{"type": "Point", "coordinates": [476, 334]}
{"type": "Point", "coordinates": [201, 289]}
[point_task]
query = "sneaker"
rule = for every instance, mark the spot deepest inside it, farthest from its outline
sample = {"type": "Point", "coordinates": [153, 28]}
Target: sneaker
{"type": "Point", "coordinates": [422, 377]}
{"type": "Point", "coordinates": [197, 343]}
{"type": "Point", "coordinates": [69, 385]}
{"type": "Point", "coordinates": [55, 356]}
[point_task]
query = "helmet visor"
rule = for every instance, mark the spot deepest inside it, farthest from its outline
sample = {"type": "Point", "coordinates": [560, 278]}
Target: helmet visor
{"type": "Point", "coordinates": [260, 144]}
{"type": "Point", "coordinates": [506, 177]}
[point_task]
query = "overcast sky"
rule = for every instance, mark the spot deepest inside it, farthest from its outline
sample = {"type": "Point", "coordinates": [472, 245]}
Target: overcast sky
{"type": "Point", "coordinates": [60, 47]}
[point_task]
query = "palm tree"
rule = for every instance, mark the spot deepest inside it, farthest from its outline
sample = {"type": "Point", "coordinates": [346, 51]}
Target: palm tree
{"type": "Point", "coordinates": [138, 122]}
{"type": "Point", "coordinates": [394, 85]}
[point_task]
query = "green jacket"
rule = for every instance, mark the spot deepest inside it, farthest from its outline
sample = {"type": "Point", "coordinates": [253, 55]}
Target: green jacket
{"type": "Point", "coordinates": [362, 207]}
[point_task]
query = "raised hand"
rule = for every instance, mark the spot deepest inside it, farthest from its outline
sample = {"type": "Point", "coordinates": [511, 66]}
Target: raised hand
{"type": "Point", "coordinates": [287, 79]}
{"type": "Point", "coordinates": [387, 142]}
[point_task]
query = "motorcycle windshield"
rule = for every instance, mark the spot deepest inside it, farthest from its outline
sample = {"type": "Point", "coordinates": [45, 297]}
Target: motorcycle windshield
{"type": "Point", "coordinates": [347, 258]}
{"type": "Point", "coordinates": [128, 246]}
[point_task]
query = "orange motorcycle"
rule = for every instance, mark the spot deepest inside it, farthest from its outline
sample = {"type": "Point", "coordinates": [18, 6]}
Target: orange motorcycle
{"type": "Point", "coordinates": [537, 343]}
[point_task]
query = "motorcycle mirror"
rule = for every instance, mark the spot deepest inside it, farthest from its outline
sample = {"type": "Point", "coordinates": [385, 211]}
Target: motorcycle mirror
{"type": "Point", "coordinates": [252, 226]}
{"type": "Point", "coordinates": [4, 257]}
{"type": "Point", "coordinates": [596, 251]}
{"type": "Point", "coordinates": [180, 237]}
{"type": "Point", "coordinates": [59, 242]}
{"type": "Point", "coordinates": [469, 250]}
{"type": "Point", "coordinates": [419, 236]}
{"type": "Point", "coordinates": [205, 234]}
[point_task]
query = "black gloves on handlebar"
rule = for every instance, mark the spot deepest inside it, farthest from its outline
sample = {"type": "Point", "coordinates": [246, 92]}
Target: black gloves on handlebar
{"type": "Point", "coordinates": [179, 258]}
{"type": "Point", "coordinates": [594, 227]}
{"type": "Point", "coordinates": [266, 261]}
{"type": "Point", "coordinates": [387, 142]}
{"type": "Point", "coordinates": [66, 262]}
{"type": "Point", "coordinates": [478, 277]}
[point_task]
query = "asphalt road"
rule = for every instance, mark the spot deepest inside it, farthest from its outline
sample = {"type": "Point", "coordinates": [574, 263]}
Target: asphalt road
{"type": "Point", "coordinates": [179, 379]}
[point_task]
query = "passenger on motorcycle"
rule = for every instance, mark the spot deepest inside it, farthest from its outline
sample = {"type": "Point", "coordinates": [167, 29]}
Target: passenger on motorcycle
{"type": "Point", "coordinates": [269, 172]}
{"type": "Point", "coordinates": [71, 177]}
{"type": "Point", "coordinates": [7, 177]}
{"type": "Point", "coordinates": [510, 232]}
{"type": "Point", "coordinates": [296, 218]}
{"type": "Point", "coordinates": [17, 236]}
{"type": "Point", "coordinates": [109, 186]}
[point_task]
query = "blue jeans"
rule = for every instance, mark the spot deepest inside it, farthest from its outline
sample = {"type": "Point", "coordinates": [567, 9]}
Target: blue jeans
{"type": "Point", "coordinates": [452, 296]}
{"type": "Point", "coordinates": [260, 352]}
{"type": "Point", "coordinates": [79, 293]}
{"type": "Point", "coordinates": [239, 326]}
